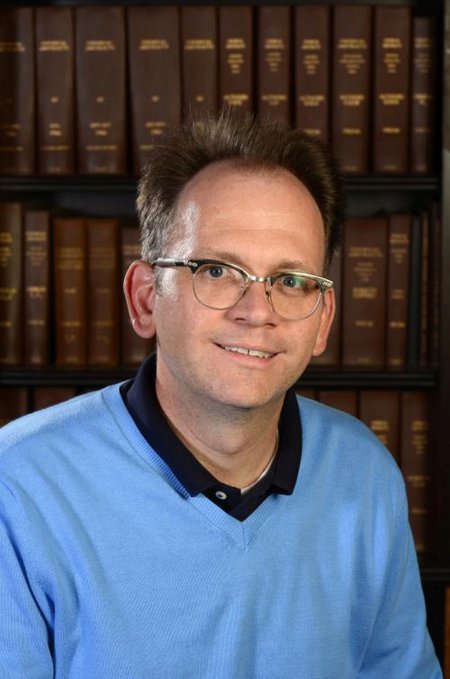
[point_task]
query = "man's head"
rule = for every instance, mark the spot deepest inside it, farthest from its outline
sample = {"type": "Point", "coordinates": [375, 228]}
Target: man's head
{"type": "Point", "coordinates": [247, 145]}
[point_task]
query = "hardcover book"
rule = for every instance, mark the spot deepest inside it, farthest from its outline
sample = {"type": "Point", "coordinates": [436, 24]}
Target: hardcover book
{"type": "Point", "coordinates": [398, 275]}
{"type": "Point", "coordinates": [379, 409]}
{"type": "Point", "coordinates": [199, 59]}
{"type": "Point", "coordinates": [11, 283]}
{"type": "Point", "coordinates": [36, 287]}
{"type": "Point", "coordinates": [273, 62]}
{"type": "Point", "coordinates": [423, 95]}
{"type": "Point", "coordinates": [236, 58]}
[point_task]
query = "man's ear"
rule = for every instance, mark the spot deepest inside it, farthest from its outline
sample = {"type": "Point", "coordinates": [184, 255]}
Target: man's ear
{"type": "Point", "coordinates": [139, 289]}
{"type": "Point", "coordinates": [326, 319]}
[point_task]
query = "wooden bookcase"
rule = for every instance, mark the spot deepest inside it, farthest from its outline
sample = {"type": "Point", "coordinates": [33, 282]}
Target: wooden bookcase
{"type": "Point", "coordinates": [97, 196]}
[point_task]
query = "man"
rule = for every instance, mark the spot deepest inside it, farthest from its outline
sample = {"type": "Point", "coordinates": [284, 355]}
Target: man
{"type": "Point", "coordinates": [199, 522]}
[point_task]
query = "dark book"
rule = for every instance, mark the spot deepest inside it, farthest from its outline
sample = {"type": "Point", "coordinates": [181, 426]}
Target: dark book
{"type": "Point", "coordinates": [423, 95]}
{"type": "Point", "coordinates": [13, 403]}
{"type": "Point", "coordinates": [380, 410]}
{"type": "Point", "coordinates": [134, 349]}
{"type": "Point", "coordinates": [154, 76]}
{"type": "Point", "coordinates": [36, 287]}
{"type": "Point", "coordinates": [103, 291]}
{"type": "Point", "coordinates": [236, 58]}
{"type": "Point", "coordinates": [435, 293]}
{"type": "Point", "coordinates": [352, 51]}
{"type": "Point", "coordinates": [199, 58]}
{"type": "Point", "coordinates": [424, 292]}
{"type": "Point", "coordinates": [55, 74]}
{"type": "Point", "coordinates": [341, 399]}
{"type": "Point", "coordinates": [11, 283]}
{"type": "Point", "coordinates": [332, 355]}
{"type": "Point", "coordinates": [16, 91]}
{"type": "Point", "coordinates": [44, 397]}
{"type": "Point", "coordinates": [416, 463]}
{"type": "Point", "coordinates": [415, 296]}
{"type": "Point", "coordinates": [312, 70]}
{"type": "Point", "coordinates": [273, 62]}
{"type": "Point", "coordinates": [70, 284]}
{"type": "Point", "coordinates": [391, 89]}
{"type": "Point", "coordinates": [100, 76]}
{"type": "Point", "coordinates": [364, 293]}
{"type": "Point", "coordinates": [399, 234]}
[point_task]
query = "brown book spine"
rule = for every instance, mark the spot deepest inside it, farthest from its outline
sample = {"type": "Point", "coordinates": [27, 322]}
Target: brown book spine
{"type": "Point", "coordinates": [100, 74]}
{"type": "Point", "coordinates": [154, 76]}
{"type": "Point", "coordinates": [69, 241]}
{"type": "Point", "coordinates": [380, 411]}
{"type": "Point", "coordinates": [312, 70]}
{"type": "Point", "coordinates": [199, 43]}
{"type": "Point", "coordinates": [11, 283]}
{"type": "Point", "coordinates": [103, 287]}
{"type": "Point", "coordinates": [55, 70]}
{"type": "Point", "coordinates": [364, 293]}
{"type": "Point", "coordinates": [391, 89]}
{"type": "Point", "coordinates": [236, 58]}
{"type": "Point", "coordinates": [435, 272]}
{"type": "Point", "coordinates": [352, 50]}
{"type": "Point", "coordinates": [399, 236]}
{"type": "Point", "coordinates": [423, 95]}
{"type": "Point", "coordinates": [341, 399]}
{"type": "Point", "coordinates": [134, 349]}
{"type": "Point", "coordinates": [16, 91]}
{"type": "Point", "coordinates": [274, 62]}
{"type": "Point", "coordinates": [332, 355]}
{"type": "Point", "coordinates": [13, 403]}
{"type": "Point", "coordinates": [44, 397]}
{"type": "Point", "coordinates": [36, 287]}
{"type": "Point", "coordinates": [415, 462]}
{"type": "Point", "coordinates": [424, 292]}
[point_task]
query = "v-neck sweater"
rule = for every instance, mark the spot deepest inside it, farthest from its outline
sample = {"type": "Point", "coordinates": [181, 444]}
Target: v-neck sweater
{"type": "Point", "coordinates": [110, 569]}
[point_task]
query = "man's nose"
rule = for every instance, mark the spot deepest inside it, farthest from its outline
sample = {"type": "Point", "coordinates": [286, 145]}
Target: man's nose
{"type": "Point", "coordinates": [255, 305]}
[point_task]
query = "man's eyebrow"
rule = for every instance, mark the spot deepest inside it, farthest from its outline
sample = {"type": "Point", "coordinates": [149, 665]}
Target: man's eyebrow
{"type": "Point", "coordinates": [233, 258]}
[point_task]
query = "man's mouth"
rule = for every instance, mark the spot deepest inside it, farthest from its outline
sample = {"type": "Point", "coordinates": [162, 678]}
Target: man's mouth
{"type": "Point", "coordinates": [256, 353]}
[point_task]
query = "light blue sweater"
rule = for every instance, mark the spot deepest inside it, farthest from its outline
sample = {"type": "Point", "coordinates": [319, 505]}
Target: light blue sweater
{"type": "Point", "coordinates": [108, 569]}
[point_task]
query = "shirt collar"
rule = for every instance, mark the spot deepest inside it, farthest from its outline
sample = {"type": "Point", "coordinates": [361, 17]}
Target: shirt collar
{"type": "Point", "coordinates": [142, 403]}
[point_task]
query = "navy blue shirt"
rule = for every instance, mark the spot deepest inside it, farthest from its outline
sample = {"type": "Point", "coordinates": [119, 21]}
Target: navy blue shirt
{"type": "Point", "coordinates": [142, 403]}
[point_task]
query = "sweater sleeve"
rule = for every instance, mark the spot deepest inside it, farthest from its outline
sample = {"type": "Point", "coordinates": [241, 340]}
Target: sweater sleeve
{"type": "Point", "coordinates": [24, 634]}
{"type": "Point", "coordinates": [400, 645]}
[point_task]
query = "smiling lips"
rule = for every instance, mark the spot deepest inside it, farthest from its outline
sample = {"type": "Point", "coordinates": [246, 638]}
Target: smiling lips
{"type": "Point", "coordinates": [247, 352]}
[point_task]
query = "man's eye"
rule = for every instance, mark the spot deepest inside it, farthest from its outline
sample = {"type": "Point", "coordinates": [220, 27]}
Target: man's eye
{"type": "Point", "coordinates": [215, 271]}
{"type": "Point", "coordinates": [293, 282]}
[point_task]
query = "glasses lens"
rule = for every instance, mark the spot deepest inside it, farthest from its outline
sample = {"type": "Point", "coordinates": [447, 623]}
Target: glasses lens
{"type": "Point", "coordinates": [218, 286]}
{"type": "Point", "coordinates": [295, 297]}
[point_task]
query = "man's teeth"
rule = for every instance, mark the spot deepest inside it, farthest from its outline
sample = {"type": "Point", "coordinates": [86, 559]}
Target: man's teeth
{"type": "Point", "coordinates": [248, 352]}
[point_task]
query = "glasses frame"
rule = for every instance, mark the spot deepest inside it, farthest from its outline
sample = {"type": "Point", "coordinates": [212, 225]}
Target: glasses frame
{"type": "Point", "coordinates": [248, 278]}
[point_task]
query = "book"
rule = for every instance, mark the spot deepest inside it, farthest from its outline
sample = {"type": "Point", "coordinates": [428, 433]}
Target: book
{"type": "Point", "coordinates": [416, 463]}
{"type": "Point", "coordinates": [13, 403]}
{"type": "Point", "coordinates": [273, 62]}
{"type": "Point", "coordinates": [379, 409]}
{"type": "Point", "coordinates": [415, 293]}
{"type": "Point", "coordinates": [364, 298]}
{"type": "Point", "coordinates": [55, 91]}
{"type": "Point", "coordinates": [17, 109]}
{"type": "Point", "coordinates": [199, 59]}
{"type": "Point", "coordinates": [70, 290]}
{"type": "Point", "coordinates": [44, 397]}
{"type": "Point", "coordinates": [423, 95]}
{"type": "Point", "coordinates": [352, 52]}
{"type": "Point", "coordinates": [236, 58]}
{"type": "Point", "coordinates": [390, 139]}
{"type": "Point", "coordinates": [103, 291]}
{"type": "Point", "coordinates": [332, 355]}
{"type": "Point", "coordinates": [11, 283]}
{"type": "Point", "coordinates": [154, 76]}
{"type": "Point", "coordinates": [435, 293]}
{"type": "Point", "coordinates": [312, 70]}
{"type": "Point", "coordinates": [341, 399]}
{"type": "Point", "coordinates": [398, 274]}
{"type": "Point", "coordinates": [36, 303]}
{"type": "Point", "coordinates": [424, 291]}
{"type": "Point", "coordinates": [134, 349]}
{"type": "Point", "coordinates": [100, 76]}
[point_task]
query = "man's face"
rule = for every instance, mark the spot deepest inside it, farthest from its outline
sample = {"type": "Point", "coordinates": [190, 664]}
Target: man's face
{"type": "Point", "coordinates": [264, 222]}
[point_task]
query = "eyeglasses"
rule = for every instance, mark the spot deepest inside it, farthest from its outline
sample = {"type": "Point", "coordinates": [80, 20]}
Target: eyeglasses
{"type": "Point", "coordinates": [293, 295]}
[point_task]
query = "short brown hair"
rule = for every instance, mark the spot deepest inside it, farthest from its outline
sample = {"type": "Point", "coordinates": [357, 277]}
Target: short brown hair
{"type": "Point", "coordinates": [182, 152]}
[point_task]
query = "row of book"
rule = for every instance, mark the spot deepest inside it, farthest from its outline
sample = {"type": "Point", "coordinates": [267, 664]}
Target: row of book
{"type": "Point", "coordinates": [88, 89]}
{"type": "Point", "coordinates": [61, 299]}
{"type": "Point", "coordinates": [400, 419]}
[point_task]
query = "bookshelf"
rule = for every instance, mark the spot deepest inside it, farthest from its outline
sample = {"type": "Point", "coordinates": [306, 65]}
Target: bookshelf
{"type": "Point", "coordinates": [368, 194]}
